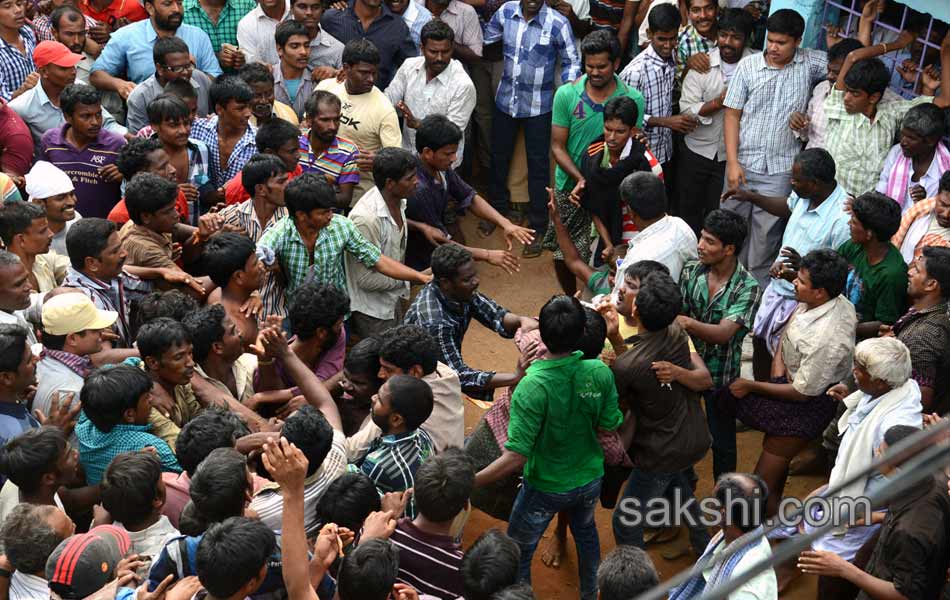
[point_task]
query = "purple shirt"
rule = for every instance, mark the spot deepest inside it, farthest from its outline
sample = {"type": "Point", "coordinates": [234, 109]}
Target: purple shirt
{"type": "Point", "coordinates": [329, 364]}
{"type": "Point", "coordinates": [95, 197]}
{"type": "Point", "coordinates": [427, 205]}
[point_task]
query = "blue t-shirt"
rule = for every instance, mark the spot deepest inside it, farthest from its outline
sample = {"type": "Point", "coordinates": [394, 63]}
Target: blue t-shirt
{"type": "Point", "coordinates": [292, 86]}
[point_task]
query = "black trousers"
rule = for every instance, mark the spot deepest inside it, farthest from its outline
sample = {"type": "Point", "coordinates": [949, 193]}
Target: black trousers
{"type": "Point", "coordinates": [700, 182]}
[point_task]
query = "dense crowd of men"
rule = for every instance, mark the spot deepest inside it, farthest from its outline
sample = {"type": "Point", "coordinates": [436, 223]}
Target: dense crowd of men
{"type": "Point", "coordinates": [234, 289]}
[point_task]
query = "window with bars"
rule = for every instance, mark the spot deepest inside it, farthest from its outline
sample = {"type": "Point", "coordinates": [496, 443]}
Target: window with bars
{"type": "Point", "coordinates": [905, 65]}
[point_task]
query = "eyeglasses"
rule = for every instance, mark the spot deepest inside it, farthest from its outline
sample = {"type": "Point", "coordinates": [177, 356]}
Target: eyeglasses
{"type": "Point", "coordinates": [178, 68]}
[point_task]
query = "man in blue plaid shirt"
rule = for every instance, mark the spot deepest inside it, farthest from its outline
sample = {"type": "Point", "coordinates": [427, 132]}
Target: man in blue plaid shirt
{"type": "Point", "coordinates": [446, 306]}
{"type": "Point", "coordinates": [533, 37]}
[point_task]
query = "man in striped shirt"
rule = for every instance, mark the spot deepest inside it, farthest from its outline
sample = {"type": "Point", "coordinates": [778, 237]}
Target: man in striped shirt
{"type": "Point", "coordinates": [323, 152]}
{"type": "Point", "coordinates": [429, 557]}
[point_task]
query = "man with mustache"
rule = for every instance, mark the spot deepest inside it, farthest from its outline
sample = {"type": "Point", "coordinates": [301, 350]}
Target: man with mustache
{"type": "Point", "coordinates": [323, 152]}
{"type": "Point", "coordinates": [699, 37]}
{"type": "Point", "coordinates": [48, 186]}
{"type": "Point", "coordinates": [433, 83]}
{"type": "Point", "coordinates": [129, 50]}
{"type": "Point", "coordinates": [463, 20]}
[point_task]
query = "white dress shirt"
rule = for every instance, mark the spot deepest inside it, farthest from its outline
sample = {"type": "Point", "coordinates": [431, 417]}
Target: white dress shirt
{"type": "Point", "coordinates": [255, 35]}
{"type": "Point", "coordinates": [669, 241]}
{"type": "Point", "coordinates": [451, 93]}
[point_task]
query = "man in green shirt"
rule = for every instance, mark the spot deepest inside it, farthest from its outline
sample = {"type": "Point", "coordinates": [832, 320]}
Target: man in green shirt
{"type": "Point", "coordinates": [552, 435]}
{"type": "Point", "coordinates": [576, 121]}
{"type": "Point", "coordinates": [877, 281]}
{"type": "Point", "coordinates": [720, 298]}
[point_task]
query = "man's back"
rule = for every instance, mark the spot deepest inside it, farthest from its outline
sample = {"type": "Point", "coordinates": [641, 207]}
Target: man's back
{"type": "Point", "coordinates": [556, 411]}
{"type": "Point", "coordinates": [671, 431]}
{"type": "Point", "coordinates": [428, 562]}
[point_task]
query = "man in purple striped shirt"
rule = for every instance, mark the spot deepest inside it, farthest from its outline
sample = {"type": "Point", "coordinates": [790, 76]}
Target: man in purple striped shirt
{"type": "Point", "coordinates": [323, 152]}
{"type": "Point", "coordinates": [85, 151]}
{"type": "Point", "coordinates": [429, 556]}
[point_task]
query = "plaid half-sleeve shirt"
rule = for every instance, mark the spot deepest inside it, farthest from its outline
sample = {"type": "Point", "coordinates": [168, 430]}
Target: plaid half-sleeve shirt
{"type": "Point", "coordinates": [690, 43]}
{"type": "Point", "coordinates": [326, 263]}
{"type": "Point", "coordinates": [737, 301]}
{"type": "Point", "coordinates": [392, 462]}
{"type": "Point", "coordinates": [448, 321]}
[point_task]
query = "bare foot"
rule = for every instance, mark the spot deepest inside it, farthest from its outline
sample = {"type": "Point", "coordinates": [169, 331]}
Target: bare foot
{"type": "Point", "coordinates": [552, 550]}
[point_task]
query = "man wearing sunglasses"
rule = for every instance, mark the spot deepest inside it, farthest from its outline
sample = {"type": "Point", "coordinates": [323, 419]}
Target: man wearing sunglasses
{"type": "Point", "coordinates": [172, 62]}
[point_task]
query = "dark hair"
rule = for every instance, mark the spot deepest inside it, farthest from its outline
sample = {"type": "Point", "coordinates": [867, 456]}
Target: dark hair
{"type": "Point", "coordinates": [895, 434]}
{"type": "Point", "coordinates": [25, 459]}
{"type": "Point", "coordinates": [937, 263]}
{"type": "Point", "coordinates": [209, 430]}
{"type": "Point", "coordinates": [869, 75]}
{"type": "Point", "coordinates": [308, 192]}
{"type": "Point", "coordinates": [663, 17]}
{"type": "Point", "coordinates": [827, 270]}
{"type": "Point", "coordinates": [168, 45]}
{"type": "Point", "coordinates": [287, 29]}
{"type": "Point", "coordinates": [369, 571]}
{"type": "Point", "coordinates": [28, 539]}
{"type": "Point", "coordinates": [348, 500]}
{"type": "Point", "coordinates": [817, 164]}
{"type": "Point", "coordinates": [172, 304]}
{"type": "Point", "coordinates": [363, 357]}
{"type": "Point", "coordinates": [225, 254]}
{"type": "Point", "coordinates": [360, 50]}
{"type": "Point", "coordinates": [274, 134]}
{"type": "Point", "coordinates": [436, 132]}
{"type": "Point", "coordinates": [167, 107]}
{"type": "Point", "coordinates": [315, 306]}
{"type": "Point", "coordinates": [309, 430]}
{"type": "Point", "coordinates": [130, 486]}
{"type": "Point", "coordinates": [392, 163]}
{"type": "Point", "coordinates": [259, 169]}
{"type": "Point", "coordinates": [204, 327]}
{"type": "Point", "coordinates": [944, 185]}
{"type": "Point", "coordinates": [218, 490]}
{"type": "Point", "coordinates": [13, 346]}
{"type": "Point", "coordinates": [591, 342]}
{"type": "Point", "coordinates": [110, 391]}
{"type": "Point", "coordinates": [75, 94]}
{"type": "Point", "coordinates": [411, 398]}
{"type": "Point", "coordinates": [743, 505]}
{"type": "Point", "coordinates": [842, 49]}
{"type": "Point", "coordinates": [626, 573]}
{"type": "Point", "coordinates": [622, 108]}
{"type": "Point", "coordinates": [601, 41]}
{"type": "Point", "coordinates": [562, 322]}
{"type": "Point", "coordinates": [436, 30]}
{"type": "Point", "coordinates": [447, 259]}
{"type": "Point", "coordinates": [133, 157]}
{"type": "Point", "coordinates": [148, 193]}
{"type": "Point", "coordinates": [226, 88]}
{"type": "Point", "coordinates": [786, 22]}
{"type": "Point", "coordinates": [74, 14]}
{"type": "Point", "coordinates": [181, 88]}
{"type": "Point", "coordinates": [644, 194]}
{"type": "Point", "coordinates": [489, 565]}
{"type": "Point", "coordinates": [319, 97]}
{"type": "Point", "coordinates": [82, 244]}
{"type": "Point", "coordinates": [408, 345]}
{"type": "Point", "coordinates": [519, 591]}
{"type": "Point", "coordinates": [159, 335]}
{"type": "Point", "coordinates": [16, 218]}
{"type": "Point", "coordinates": [232, 553]}
{"type": "Point", "coordinates": [737, 20]}
{"type": "Point", "coordinates": [255, 72]}
{"type": "Point", "coordinates": [658, 301]}
{"type": "Point", "coordinates": [443, 485]}
{"type": "Point", "coordinates": [727, 227]}
{"type": "Point", "coordinates": [878, 214]}
{"type": "Point", "coordinates": [926, 120]}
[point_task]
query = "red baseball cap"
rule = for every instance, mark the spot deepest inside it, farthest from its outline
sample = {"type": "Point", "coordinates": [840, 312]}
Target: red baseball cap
{"type": "Point", "coordinates": [55, 53]}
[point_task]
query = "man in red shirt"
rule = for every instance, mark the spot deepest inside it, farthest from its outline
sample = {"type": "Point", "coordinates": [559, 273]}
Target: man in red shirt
{"type": "Point", "coordinates": [277, 137]}
{"type": "Point", "coordinates": [16, 144]}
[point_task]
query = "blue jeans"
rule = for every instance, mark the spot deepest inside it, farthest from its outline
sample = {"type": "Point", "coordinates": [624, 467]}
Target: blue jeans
{"type": "Point", "coordinates": [635, 505]}
{"type": "Point", "coordinates": [537, 143]}
{"type": "Point", "coordinates": [531, 515]}
{"type": "Point", "coordinates": [722, 428]}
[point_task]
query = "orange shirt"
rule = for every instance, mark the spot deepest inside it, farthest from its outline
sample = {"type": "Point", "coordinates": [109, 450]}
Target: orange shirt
{"type": "Point", "coordinates": [128, 9]}
{"type": "Point", "coordinates": [120, 214]}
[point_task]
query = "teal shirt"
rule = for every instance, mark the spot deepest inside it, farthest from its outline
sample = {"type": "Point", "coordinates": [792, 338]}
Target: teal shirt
{"type": "Point", "coordinates": [556, 411]}
{"type": "Point", "coordinates": [98, 448]}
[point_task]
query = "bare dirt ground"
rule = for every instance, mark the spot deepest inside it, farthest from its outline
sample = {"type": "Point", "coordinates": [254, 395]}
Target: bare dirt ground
{"type": "Point", "coordinates": [524, 293]}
